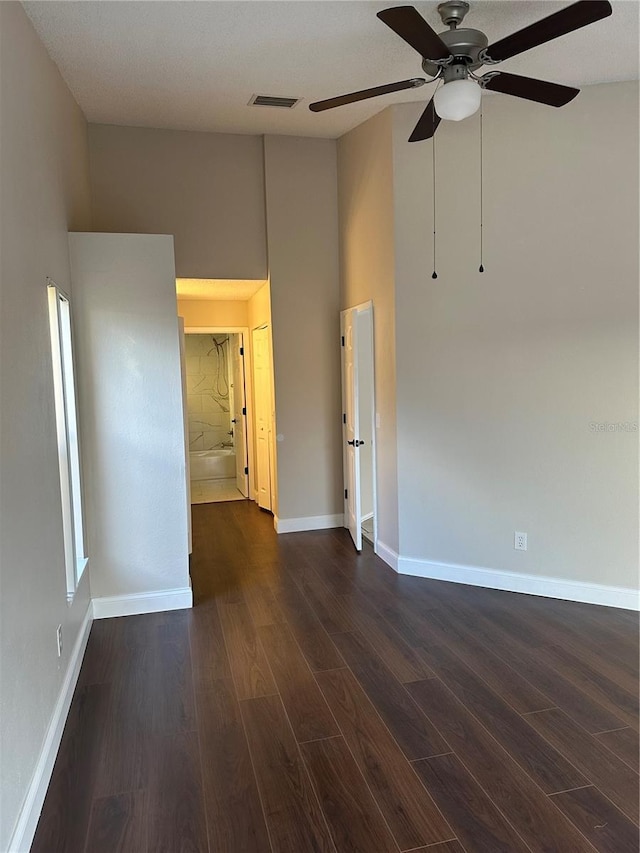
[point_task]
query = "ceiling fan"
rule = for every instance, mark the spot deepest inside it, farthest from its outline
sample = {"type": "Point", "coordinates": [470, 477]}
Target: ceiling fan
{"type": "Point", "coordinates": [456, 54]}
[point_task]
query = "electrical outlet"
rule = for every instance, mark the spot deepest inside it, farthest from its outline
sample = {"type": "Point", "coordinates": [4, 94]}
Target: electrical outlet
{"type": "Point", "coordinates": [520, 541]}
{"type": "Point", "coordinates": [59, 639]}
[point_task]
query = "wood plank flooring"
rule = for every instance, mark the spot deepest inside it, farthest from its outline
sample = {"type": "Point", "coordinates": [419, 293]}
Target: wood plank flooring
{"type": "Point", "coordinates": [313, 701]}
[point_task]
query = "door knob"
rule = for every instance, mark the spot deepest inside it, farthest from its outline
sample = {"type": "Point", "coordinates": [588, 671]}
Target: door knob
{"type": "Point", "coordinates": [233, 420]}
{"type": "Point", "coordinates": [355, 442]}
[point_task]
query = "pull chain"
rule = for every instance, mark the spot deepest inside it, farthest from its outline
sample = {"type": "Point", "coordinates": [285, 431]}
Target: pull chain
{"type": "Point", "coordinates": [481, 267]}
{"type": "Point", "coordinates": [433, 161]}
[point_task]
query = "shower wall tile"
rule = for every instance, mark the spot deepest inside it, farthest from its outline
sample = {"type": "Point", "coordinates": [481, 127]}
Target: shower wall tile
{"type": "Point", "coordinates": [209, 364]}
{"type": "Point", "coordinates": [195, 383]}
{"type": "Point", "coordinates": [208, 384]}
{"type": "Point", "coordinates": [207, 378]}
{"type": "Point", "coordinates": [201, 422]}
{"type": "Point", "coordinates": [213, 438]}
{"type": "Point", "coordinates": [191, 346]}
{"type": "Point", "coordinates": [214, 418]}
{"type": "Point", "coordinates": [197, 345]}
{"type": "Point", "coordinates": [211, 404]}
{"type": "Point", "coordinates": [196, 441]}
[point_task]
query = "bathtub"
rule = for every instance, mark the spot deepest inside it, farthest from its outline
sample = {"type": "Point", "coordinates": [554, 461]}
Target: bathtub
{"type": "Point", "coordinates": [212, 464]}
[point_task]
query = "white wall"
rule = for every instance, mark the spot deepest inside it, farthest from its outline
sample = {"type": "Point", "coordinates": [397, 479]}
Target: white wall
{"type": "Point", "coordinates": [302, 240]}
{"type": "Point", "coordinates": [207, 189]}
{"type": "Point", "coordinates": [44, 190]}
{"type": "Point", "coordinates": [500, 375]}
{"type": "Point", "coordinates": [365, 187]}
{"type": "Point", "coordinates": [132, 414]}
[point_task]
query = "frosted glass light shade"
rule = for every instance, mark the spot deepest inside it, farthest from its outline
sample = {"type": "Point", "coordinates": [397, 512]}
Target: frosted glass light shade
{"type": "Point", "coordinates": [457, 100]}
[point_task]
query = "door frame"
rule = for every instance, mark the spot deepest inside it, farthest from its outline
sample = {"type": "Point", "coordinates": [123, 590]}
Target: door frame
{"type": "Point", "coordinates": [248, 384]}
{"type": "Point", "coordinates": [271, 441]}
{"type": "Point", "coordinates": [185, 420]}
{"type": "Point", "coordinates": [363, 308]}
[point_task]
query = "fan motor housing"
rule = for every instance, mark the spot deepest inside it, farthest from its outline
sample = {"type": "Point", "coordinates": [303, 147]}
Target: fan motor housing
{"type": "Point", "coordinates": [465, 46]}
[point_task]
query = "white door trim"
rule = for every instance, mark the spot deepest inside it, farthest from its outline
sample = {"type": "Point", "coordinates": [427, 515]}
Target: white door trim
{"type": "Point", "coordinates": [270, 438]}
{"type": "Point", "coordinates": [368, 307]}
{"type": "Point", "coordinates": [361, 308]}
{"type": "Point", "coordinates": [350, 424]}
{"type": "Point", "coordinates": [214, 330]}
{"type": "Point", "coordinates": [185, 420]}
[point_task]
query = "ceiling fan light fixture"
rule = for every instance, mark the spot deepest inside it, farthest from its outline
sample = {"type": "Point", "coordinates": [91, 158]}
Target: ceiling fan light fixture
{"type": "Point", "coordinates": [457, 99]}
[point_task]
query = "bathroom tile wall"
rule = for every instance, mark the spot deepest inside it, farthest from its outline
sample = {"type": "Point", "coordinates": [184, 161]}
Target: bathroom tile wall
{"type": "Point", "coordinates": [207, 368]}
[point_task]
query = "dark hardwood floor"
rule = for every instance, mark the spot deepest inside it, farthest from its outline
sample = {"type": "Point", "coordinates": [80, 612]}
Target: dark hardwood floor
{"type": "Point", "coordinates": [313, 700]}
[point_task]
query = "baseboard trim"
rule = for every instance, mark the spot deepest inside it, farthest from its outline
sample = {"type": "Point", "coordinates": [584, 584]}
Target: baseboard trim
{"type": "Point", "coordinates": [568, 590]}
{"type": "Point", "coordinates": [142, 602]}
{"type": "Point", "coordinates": [388, 555]}
{"type": "Point", "coordinates": [310, 522]}
{"type": "Point", "coordinates": [25, 829]}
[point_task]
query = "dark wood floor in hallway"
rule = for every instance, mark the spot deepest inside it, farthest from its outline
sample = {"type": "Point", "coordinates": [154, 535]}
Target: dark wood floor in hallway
{"type": "Point", "coordinates": [313, 700]}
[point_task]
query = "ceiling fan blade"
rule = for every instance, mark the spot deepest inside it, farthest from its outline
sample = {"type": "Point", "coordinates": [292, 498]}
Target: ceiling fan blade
{"type": "Point", "coordinates": [541, 91]}
{"type": "Point", "coordinates": [409, 24]}
{"type": "Point", "coordinates": [559, 24]}
{"type": "Point", "coordinates": [427, 124]}
{"type": "Point", "coordinates": [363, 94]}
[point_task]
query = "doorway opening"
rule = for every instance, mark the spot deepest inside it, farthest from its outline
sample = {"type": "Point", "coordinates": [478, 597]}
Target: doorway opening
{"type": "Point", "coordinates": [358, 427]}
{"type": "Point", "coordinates": [222, 322]}
{"type": "Point", "coordinates": [216, 416]}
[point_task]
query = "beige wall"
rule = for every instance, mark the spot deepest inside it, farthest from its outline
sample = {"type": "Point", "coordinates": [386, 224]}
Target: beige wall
{"type": "Point", "coordinates": [365, 181]}
{"type": "Point", "coordinates": [207, 189]}
{"type": "Point", "coordinates": [501, 375]}
{"type": "Point", "coordinates": [214, 312]}
{"type": "Point", "coordinates": [301, 201]}
{"type": "Point", "coordinates": [44, 190]}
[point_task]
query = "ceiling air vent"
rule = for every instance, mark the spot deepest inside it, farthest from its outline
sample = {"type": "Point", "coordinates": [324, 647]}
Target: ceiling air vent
{"type": "Point", "coordinates": [273, 101]}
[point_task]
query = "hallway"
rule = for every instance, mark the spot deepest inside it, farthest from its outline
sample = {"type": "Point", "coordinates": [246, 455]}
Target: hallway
{"type": "Point", "coordinates": [313, 700]}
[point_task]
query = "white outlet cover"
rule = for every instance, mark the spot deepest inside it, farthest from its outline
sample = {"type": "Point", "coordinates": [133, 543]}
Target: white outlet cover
{"type": "Point", "coordinates": [520, 540]}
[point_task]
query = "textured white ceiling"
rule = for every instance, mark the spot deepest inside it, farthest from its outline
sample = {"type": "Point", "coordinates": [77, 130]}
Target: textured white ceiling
{"type": "Point", "coordinates": [216, 288]}
{"type": "Point", "coordinates": [195, 65]}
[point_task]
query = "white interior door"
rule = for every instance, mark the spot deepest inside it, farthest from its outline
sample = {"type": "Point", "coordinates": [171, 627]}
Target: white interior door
{"type": "Point", "coordinates": [239, 416]}
{"type": "Point", "coordinates": [262, 414]}
{"type": "Point", "coordinates": [350, 427]}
